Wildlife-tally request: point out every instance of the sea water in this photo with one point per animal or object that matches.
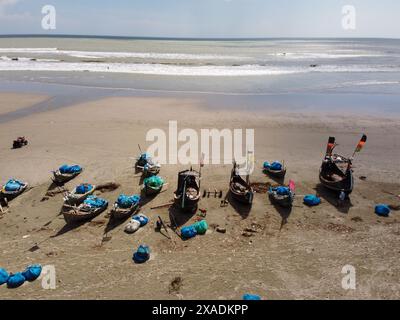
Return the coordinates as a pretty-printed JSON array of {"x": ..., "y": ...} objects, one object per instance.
[{"x": 292, "y": 74}]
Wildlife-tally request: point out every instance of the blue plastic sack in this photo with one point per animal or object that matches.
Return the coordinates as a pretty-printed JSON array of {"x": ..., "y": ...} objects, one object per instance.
[
  {"x": 282, "y": 191},
  {"x": 142, "y": 219},
  {"x": 13, "y": 185},
  {"x": 125, "y": 201},
  {"x": 142, "y": 254},
  {"x": 95, "y": 202},
  {"x": 266, "y": 165},
  {"x": 311, "y": 200},
  {"x": 276, "y": 166},
  {"x": 70, "y": 169},
  {"x": 248, "y": 296},
  {"x": 32, "y": 272},
  {"x": 3, "y": 276},
  {"x": 15, "y": 280},
  {"x": 382, "y": 210},
  {"x": 83, "y": 188},
  {"x": 188, "y": 232}
]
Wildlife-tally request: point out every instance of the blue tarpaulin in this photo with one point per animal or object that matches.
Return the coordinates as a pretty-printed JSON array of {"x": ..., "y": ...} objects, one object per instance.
[
  {"x": 15, "y": 280},
  {"x": 125, "y": 201},
  {"x": 382, "y": 210},
  {"x": 311, "y": 200},
  {"x": 95, "y": 202},
  {"x": 83, "y": 188},
  {"x": 142, "y": 254},
  {"x": 32, "y": 272},
  {"x": 3, "y": 276},
  {"x": 188, "y": 232},
  {"x": 70, "y": 169},
  {"x": 276, "y": 166},
  {"x": 13, "y": 185}
]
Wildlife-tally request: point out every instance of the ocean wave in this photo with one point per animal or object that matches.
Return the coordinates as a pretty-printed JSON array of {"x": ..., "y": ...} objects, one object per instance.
[
  {"x": 123, "y": 54},
  {"x": 186, "y": 70},
  {"x": 312, "y": 55},
  {"x": 150, "y": 69}
]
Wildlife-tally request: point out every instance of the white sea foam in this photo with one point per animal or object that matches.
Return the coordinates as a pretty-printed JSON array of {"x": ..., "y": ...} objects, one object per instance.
[
  {"x": 124, "y": 54},
  {"x": 185, "y": 70},
  {"x": 314, "y": 55},
  {"x": 151, "y": 69}
]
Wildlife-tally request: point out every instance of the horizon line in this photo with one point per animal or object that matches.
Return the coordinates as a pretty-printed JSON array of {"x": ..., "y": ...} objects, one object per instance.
[{"x": 61, "y": 35}]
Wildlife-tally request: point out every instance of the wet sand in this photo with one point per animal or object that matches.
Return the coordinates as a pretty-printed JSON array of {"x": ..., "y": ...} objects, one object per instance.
[{"x": 300, "y": 259}]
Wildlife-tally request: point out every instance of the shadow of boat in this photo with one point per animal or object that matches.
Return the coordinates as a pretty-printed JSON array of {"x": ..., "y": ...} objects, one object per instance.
[
  {"x": 332, "y": 197},
  {"x": 242, "y": 209},
  {"x": 178, "y": 217}
]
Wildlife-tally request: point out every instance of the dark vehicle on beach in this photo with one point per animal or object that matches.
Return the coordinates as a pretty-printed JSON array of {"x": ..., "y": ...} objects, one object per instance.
[
  {"x": 239, "y": 188},
  {"x": 187, "y": 194},
  {"x": 336, "y": 171}
]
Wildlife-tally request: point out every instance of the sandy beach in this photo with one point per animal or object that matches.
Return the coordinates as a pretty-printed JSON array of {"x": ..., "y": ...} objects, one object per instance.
[{"x": 300, "y": 259}]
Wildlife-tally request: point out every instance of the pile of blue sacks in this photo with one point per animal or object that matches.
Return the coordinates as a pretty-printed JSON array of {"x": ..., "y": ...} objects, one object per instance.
[
  {"x": 282, "y": 191},
  {"x": 13, "y": 185},
  {"x": 142, "y": 254},
  {"x": 125, "y": 201},
  {"x": 70, "y": 169},
  {"x": 141, "y": 218},
  {"x": 311, "y": 200},
  {"x": 188, "y": 232},
  {"x": 83, "y": 188},
  {"x": 382, "y": 210},
  {"x": 95, "y": 202},
  {"x": 16, "y": 280},
  {"x": 276, "y": 165}
]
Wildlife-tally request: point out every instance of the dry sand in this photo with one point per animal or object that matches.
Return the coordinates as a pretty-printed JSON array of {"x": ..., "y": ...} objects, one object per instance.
[{"x": 300, "y": 259}]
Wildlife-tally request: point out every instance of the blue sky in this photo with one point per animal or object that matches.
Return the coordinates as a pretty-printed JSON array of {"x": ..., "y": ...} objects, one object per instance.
[{"x": 204, "y": 18}]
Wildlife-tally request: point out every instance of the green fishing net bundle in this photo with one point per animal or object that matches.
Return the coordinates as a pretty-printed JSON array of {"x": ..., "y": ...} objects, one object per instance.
[{"x": 154, "y": 182}]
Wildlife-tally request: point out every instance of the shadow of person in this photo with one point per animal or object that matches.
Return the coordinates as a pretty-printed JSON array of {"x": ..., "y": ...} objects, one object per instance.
[
  {"x": 242, "y": 209},
  {"x": 332, "y": 197}
]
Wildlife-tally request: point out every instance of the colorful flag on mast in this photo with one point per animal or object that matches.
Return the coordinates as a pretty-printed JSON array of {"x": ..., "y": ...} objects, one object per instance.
[{"x": 361, "y": 144}]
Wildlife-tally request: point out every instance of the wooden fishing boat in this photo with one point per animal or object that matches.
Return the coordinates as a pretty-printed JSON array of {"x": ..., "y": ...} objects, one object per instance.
[
  {"x": 74, "y": 197},
  {"x": 283, "y": 199},
  {"x": 276, "y": 173},
  {"x": 119, "y": 213},
  {"x": 239, "y": 188},
  {"x": 147, "y": 165},
  {"x": 336, "y": 174},
  {"x": 187, "y": 194},
  {"x": 59, "y": 177},
  {"x": 9, "y": 195},
  {"x": 336, "y": 171},
  {"x": 83, "y": 212},
  {"x": 149, "y": 190}
]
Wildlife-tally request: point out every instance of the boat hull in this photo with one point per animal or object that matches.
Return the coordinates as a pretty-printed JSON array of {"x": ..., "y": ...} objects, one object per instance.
[
  {"x": 120, "y": 213},
  {"x": 59, "y": 177},
  {"x": 285, "y": 201},
  {"x": 345, "y": 185},
  {"x": 71, "y": 216}
]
